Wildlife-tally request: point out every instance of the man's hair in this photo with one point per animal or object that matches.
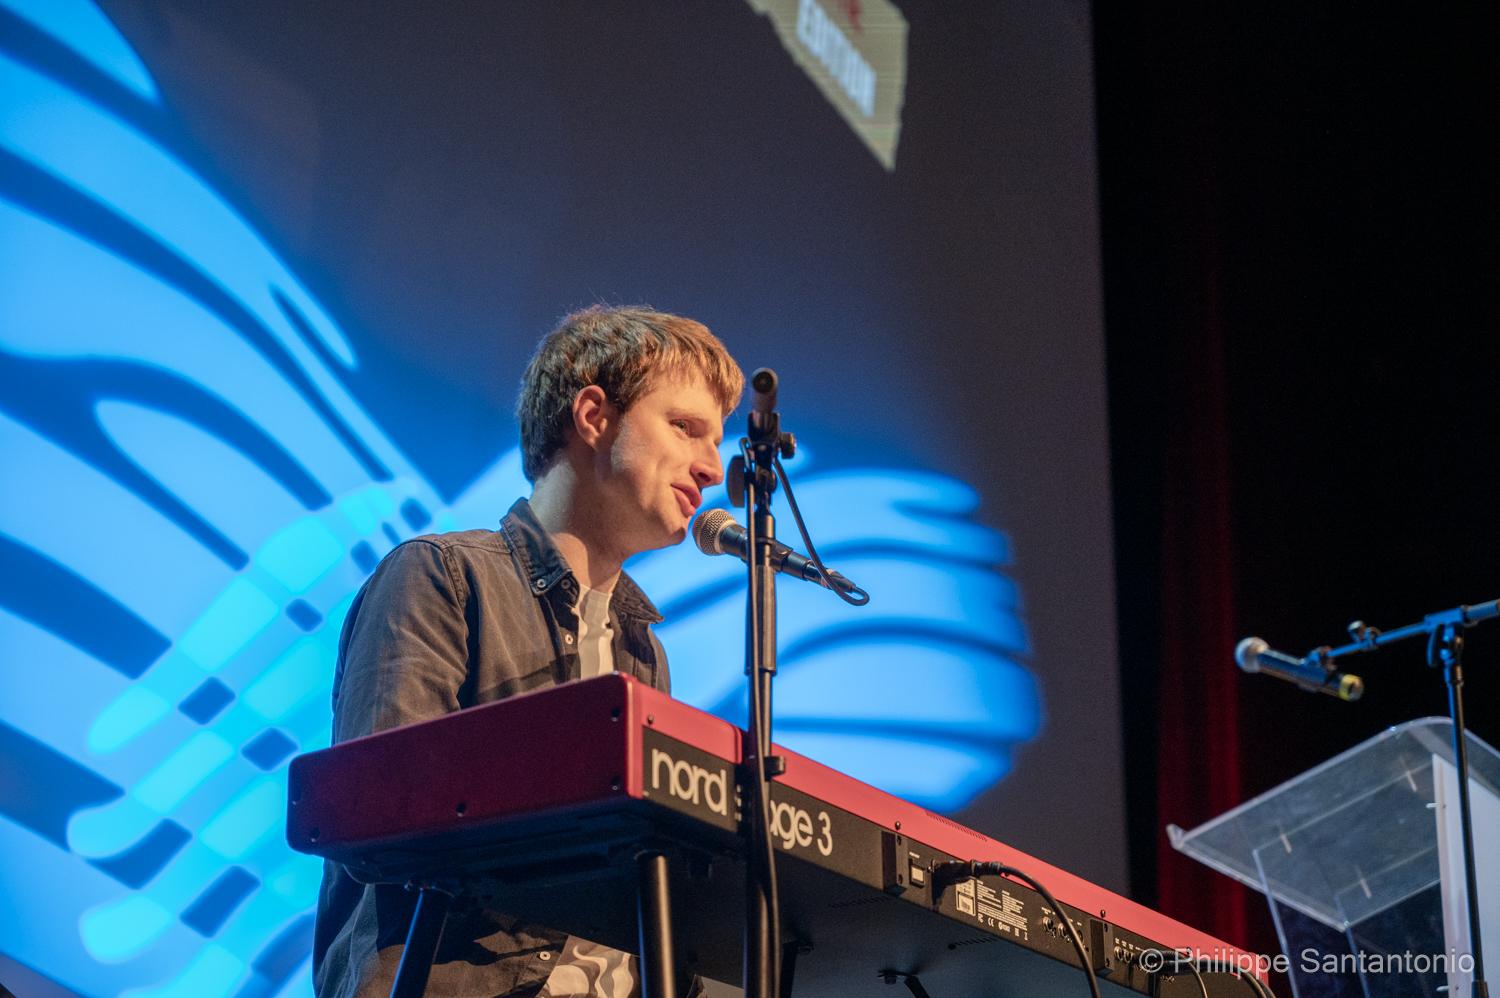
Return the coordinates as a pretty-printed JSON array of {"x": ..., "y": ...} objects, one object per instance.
[{"x": 625, "y": 351}]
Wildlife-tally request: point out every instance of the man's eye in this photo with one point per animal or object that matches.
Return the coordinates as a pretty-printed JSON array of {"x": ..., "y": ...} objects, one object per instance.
[{"x": 681, "y": 424}]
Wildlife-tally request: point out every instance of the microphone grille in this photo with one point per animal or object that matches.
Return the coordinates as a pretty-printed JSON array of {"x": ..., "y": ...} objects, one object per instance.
[{"x": 707, "y": 528}]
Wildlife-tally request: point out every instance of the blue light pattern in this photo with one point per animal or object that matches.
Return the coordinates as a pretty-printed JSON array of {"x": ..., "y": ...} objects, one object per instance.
[{"x": 192, "y": 500}]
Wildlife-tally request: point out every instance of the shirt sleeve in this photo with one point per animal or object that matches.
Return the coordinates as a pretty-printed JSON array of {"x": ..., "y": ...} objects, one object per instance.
[{"x": 403, "y": 652}]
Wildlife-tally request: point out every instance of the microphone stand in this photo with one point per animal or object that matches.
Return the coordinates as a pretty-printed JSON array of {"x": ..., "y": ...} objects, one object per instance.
[
  {"x": 1445, "y": 647},
  {"x": 751, "y": 481}
]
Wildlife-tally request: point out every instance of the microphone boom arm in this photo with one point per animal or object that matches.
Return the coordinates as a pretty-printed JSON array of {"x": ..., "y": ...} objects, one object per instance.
[{"x": 1445, "y": 645}]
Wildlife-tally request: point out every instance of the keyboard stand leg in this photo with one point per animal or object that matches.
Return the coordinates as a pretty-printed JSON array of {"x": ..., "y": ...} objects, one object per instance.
[
  {"x": 658, "y": 972},
  {"x": 421, "y": 943},
  {"x": 790, "y": 950},
  {"x": 915, "y": 987},
  {"x": 910, "y": 980}
]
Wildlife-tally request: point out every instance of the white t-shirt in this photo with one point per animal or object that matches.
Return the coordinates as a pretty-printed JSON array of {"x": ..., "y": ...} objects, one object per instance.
[
  {"x": 596, "y": 636},
  {"x": 587, "y": 969}
]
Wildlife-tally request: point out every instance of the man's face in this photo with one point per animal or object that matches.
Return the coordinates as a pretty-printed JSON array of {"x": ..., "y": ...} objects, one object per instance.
[{"x": 661, "y": 455}]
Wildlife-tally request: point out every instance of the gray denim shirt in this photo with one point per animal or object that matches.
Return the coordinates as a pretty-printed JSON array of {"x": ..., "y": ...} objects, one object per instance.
[{"x": 448, "y": 621}]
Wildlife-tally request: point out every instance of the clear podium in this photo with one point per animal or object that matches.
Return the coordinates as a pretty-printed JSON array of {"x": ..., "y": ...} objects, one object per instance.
[{"x": 1361, "y": 861}]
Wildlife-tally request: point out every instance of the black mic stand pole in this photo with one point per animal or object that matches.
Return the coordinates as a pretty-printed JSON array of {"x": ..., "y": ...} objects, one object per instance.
[
  {"x": 752, "y": 476},
  {"x": 1445, "y": 647}
]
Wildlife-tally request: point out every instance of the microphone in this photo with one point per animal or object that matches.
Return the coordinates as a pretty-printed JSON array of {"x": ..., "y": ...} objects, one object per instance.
[
  {"x": 1254, "y": 655},
  {"x": 716, "y": 532}
]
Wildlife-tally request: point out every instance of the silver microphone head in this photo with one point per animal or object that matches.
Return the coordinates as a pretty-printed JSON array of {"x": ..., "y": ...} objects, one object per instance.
[
  {"x": 1247, "y": 653},
  {"x": 708, "y": 528}
]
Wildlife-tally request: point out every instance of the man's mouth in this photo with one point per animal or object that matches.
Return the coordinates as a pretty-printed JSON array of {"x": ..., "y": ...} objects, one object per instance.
[{"x": 689, "y": 498}]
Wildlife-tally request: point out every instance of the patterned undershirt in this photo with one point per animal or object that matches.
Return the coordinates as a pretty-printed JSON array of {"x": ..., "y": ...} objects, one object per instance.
[{"x": 591, "y": 970}]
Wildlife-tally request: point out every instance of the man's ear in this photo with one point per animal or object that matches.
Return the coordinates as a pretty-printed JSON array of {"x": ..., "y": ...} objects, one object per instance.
[{"x": 593, "y": 415}]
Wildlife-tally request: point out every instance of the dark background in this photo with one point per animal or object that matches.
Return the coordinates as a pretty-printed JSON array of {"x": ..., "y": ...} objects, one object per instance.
[{"x": 1300, "y": 277}]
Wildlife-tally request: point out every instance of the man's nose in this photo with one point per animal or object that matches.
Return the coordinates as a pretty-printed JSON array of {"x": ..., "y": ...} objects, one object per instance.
[{"x": 708, "y": 470}]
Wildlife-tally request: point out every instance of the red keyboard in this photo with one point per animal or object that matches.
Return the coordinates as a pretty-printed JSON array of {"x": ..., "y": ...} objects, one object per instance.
[{"x": 537, "y": 805}]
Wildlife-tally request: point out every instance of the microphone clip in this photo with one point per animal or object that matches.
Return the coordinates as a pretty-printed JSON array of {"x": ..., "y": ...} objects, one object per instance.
[
  {"x": 735, "y": 475},
  {"x": 765, "y": 472}
]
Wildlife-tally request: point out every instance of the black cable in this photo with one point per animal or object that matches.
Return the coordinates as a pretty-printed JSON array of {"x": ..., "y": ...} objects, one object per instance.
[
  {"x": 942, "y": 872},
  {"x": 1178, "y": 961},
  {"x": 1261, "y": 988},
  {"x": 840, "y": 585},
  {"x": 1224, "y": 967},
  {"x": 1202, "y": 984},
  {"x": 976, "y": 868},
  {"x": 1196, "y": 965}
]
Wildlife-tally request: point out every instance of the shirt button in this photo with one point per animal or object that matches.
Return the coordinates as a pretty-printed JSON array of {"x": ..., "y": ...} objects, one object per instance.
[
  {"x": 546, "y": 955},
  {"x": 539, "y": 584},
  {"x": 568, "y": 638}
]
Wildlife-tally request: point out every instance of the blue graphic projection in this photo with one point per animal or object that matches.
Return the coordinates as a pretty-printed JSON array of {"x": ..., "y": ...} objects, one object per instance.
[{"x": 191, "y": 500}]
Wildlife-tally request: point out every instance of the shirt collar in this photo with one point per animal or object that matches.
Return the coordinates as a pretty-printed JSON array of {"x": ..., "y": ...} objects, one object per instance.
[{"x": 544, "y": 567}]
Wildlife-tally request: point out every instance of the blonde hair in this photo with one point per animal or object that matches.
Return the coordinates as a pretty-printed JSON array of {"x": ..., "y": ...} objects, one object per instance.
[{"x": 627, "y": 351}]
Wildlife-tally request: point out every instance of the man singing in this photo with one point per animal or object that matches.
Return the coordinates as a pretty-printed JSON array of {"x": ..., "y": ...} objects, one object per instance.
[{"x": 622, "y": 411}]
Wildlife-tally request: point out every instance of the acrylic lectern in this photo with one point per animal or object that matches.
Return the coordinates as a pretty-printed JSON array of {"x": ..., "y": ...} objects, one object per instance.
[{"x": 1361, "y": 861}]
